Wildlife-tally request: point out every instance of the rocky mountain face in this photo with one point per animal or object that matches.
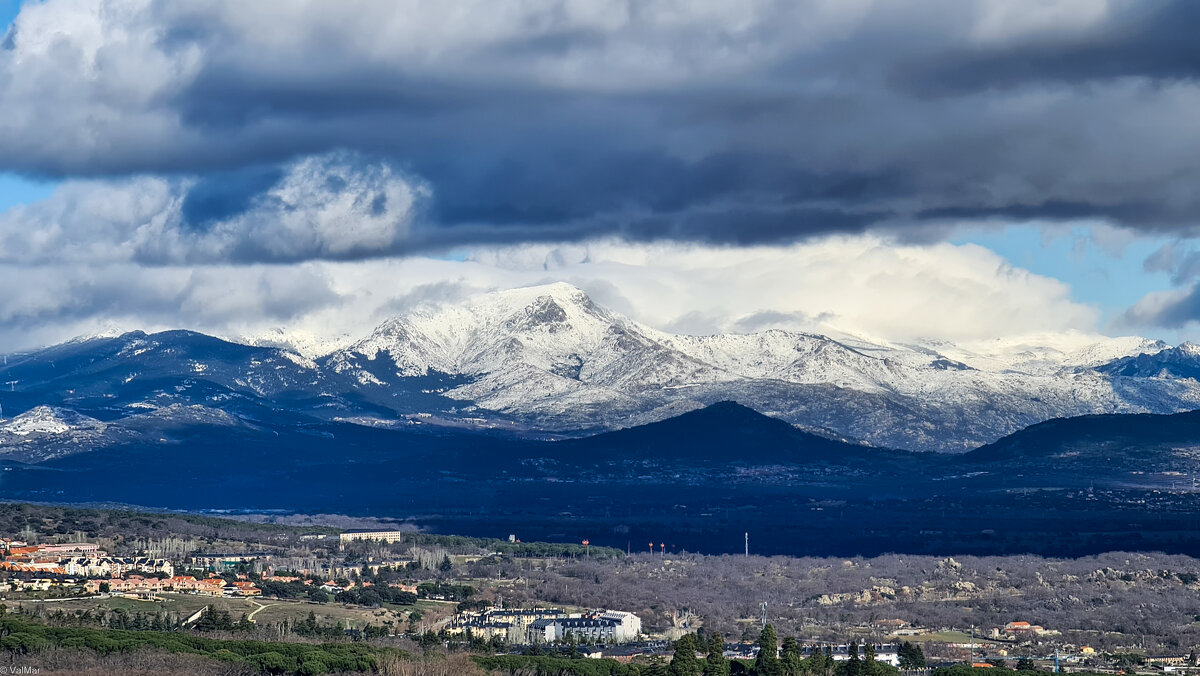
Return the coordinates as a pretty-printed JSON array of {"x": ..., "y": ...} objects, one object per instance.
[{"x": 547, "y": 361}]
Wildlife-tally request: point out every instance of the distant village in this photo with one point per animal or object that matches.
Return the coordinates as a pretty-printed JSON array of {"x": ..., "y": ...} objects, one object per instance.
[{"x": 81, "y": 569}]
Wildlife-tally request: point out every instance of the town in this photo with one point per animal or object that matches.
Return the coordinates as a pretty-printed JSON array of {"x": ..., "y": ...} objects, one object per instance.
[{"x": 501, "y": 600}]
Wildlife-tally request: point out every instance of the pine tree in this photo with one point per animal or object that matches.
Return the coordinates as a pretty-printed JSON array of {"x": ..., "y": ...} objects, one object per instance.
[
  {"x": 791, "y": 657},
  {"x": 657, "y": 667},
  {"x": 716, "y": 664},
  {"x": 869, "y": 666},
  {"x": 683, "y": 662},
  {"x": 913, "y": 657},
  {"x": 852, "y": 666},
  {"x": 817, "y": 663},
  {"x": 767, "y": 662}
]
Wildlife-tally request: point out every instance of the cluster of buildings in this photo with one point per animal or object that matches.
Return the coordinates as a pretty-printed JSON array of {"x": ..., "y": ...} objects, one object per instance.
[
  {"x": 1020, "y": 630},
  {"x": 42, "y": 567},
  {"x": 76, "y": 559},
  {"x": 147, "y": 586},
  {"x": 547, "y": 625}
]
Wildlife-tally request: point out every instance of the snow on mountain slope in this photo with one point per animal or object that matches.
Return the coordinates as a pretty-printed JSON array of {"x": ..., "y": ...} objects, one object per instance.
[
  {"x": 550, "y": 357},
  {"x": 46, "y": 420},
  {"x": 546, "y": 344},
  {"x": 547, "y": 359},
  {"x": 1048, "y": 354},
  {"x": 46, "y": 432}
]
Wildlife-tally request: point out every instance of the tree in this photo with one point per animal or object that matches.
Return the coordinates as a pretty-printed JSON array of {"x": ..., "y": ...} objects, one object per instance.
[
  {"x": 684, "y": 662},
  {"x": 852, "y": 666},
  {"x": 657, "y": 667},
  {"x": 1025, "y": 664},
  {"x": 446, "y": 566},
  {"x": 817, "y": 663},
  {"x": 716, "y": 664},
  {"x": 791, "y": 657},
  {"x": 913, "y": 657},
  {"x": 767, "y": 662},
  {"x": 869, "y": 666},
  {"x": 105, "y": 587}
]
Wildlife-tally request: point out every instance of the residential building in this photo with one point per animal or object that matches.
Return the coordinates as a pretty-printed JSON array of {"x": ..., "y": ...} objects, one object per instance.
[
  {"x": 372, "y": 535},
  {"x": 593, "y": 629},
  {"x": 629, "y": 626}
]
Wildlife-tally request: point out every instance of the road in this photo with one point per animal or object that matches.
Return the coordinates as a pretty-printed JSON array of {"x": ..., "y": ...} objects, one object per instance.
[{"x": 260, "y": 607}]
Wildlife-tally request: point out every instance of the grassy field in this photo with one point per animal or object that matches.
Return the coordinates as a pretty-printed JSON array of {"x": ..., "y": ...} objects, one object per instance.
[{"x": 943, "y": 637}]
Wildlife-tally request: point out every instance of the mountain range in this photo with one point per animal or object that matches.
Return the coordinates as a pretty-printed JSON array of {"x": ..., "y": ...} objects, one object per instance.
[
  {"x": 548, "y": 362},
  {"x": 698, "y": 481}
]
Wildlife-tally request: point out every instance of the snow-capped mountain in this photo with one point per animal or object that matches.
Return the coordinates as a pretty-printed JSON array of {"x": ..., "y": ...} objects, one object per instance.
[
  {"x": 552, "y": 358},
  {"x": 548, "y": 360}
]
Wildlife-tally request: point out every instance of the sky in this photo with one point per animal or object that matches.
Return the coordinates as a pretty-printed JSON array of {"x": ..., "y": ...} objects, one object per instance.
[{"x": 961, "y": 170}]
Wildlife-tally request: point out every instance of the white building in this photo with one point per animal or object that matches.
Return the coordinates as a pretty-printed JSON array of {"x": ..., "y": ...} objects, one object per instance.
[
  {"x": 604, "y": 627},
  {"x": 629, "y": 626},
  {"x": 371, "y": 535},
  {"x": 106, "y": 566},
  {"x": 886, "y": 652}
]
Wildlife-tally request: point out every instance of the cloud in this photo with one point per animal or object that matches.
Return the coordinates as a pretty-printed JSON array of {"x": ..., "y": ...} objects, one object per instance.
[
  {"x": 336, "y": 205},
  {"x": 555, "y": 120},
  {"x": 1172, "y": 309},
  {"x": 864, "y": 284},
  {"x": 858, "y": 284}
]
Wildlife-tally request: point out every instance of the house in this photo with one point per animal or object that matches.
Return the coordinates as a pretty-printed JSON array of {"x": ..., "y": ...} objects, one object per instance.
[
  {"x": 246, "y": 589},
  {"x": 623, "y": 654},
  {"x": 43, "y": 567}
]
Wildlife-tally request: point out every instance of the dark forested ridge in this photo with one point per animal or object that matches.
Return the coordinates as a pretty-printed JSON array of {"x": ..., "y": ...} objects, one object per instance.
[{"x": 697, "y": 482}]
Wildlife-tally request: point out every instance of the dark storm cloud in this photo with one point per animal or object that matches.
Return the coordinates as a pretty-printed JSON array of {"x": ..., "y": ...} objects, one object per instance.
[
  {"x": 734, "y": 123},
  {"x": 222, "y": 195},
  {"x": 1154, "y": 39},
  {"x": 1050, "y": 210}
]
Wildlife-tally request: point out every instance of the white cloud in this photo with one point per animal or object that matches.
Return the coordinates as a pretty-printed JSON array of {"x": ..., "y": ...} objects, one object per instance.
[
  {"x": 334, "y": 205},
  {"x": 865, "y": 285}
]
